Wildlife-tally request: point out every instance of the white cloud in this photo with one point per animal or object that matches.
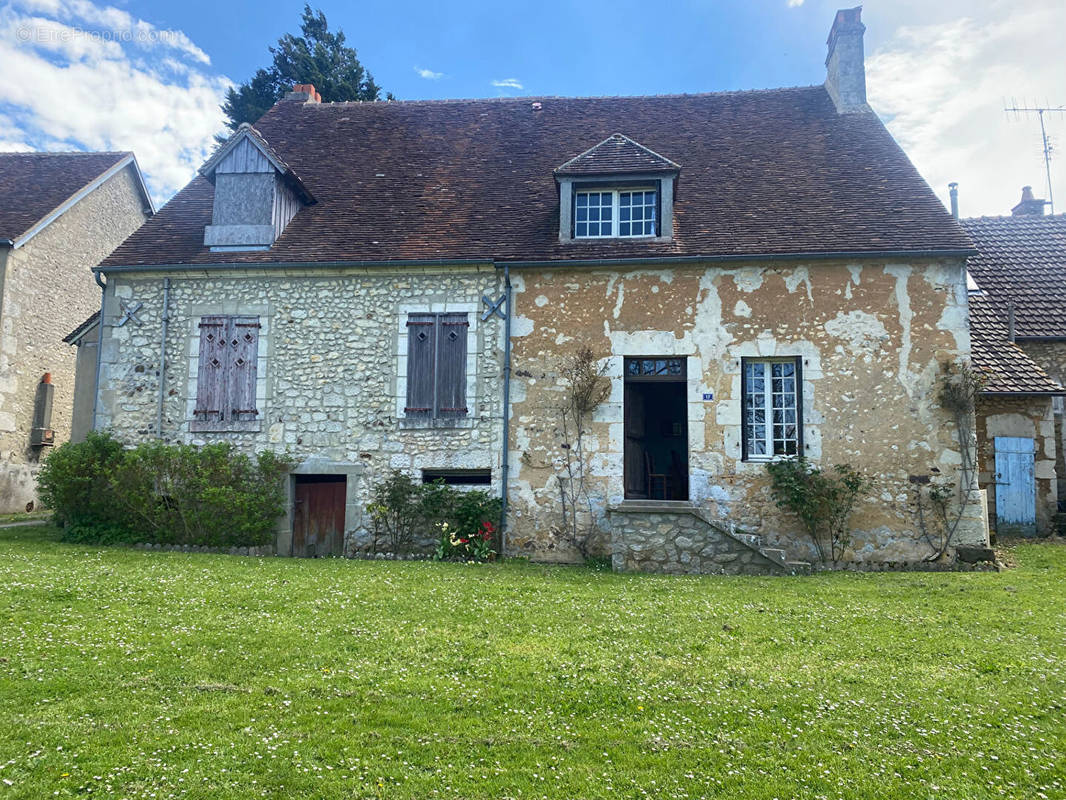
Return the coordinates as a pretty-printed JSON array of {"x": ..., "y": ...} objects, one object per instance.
[
  {"x": 121, "y": 85},
  {"x": 507, "y": 83},
  {"x": 941, "y": 89},
  {"x": 428, "y": 74},
  {"x": 795, "y": 3}
]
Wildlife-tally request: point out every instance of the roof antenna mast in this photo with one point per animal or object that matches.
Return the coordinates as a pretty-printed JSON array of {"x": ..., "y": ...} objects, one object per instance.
[{"x": 1040, "y": 111}]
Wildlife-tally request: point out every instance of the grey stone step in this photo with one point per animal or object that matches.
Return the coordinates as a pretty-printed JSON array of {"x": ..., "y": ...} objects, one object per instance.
[{"x": 774, "y": 554}]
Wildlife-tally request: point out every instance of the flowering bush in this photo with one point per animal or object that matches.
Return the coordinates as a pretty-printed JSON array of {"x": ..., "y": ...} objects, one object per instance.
[
  {"x": 464, "y": 545},
  {"x": 405, "y": 513}
]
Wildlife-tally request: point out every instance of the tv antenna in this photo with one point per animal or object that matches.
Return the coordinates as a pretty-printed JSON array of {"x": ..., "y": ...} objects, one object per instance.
[{"x": 1040, "y": 111}]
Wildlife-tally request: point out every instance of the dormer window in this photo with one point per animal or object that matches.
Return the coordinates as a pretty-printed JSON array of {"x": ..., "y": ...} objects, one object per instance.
[
  {"x": 256, "y": 194},
  {"x": 618, "y": 189},
  {"x": 615, "y": 213}
]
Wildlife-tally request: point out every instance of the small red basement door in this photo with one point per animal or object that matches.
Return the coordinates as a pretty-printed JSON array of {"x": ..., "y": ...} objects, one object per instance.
[{"x": 318, "y": 516}]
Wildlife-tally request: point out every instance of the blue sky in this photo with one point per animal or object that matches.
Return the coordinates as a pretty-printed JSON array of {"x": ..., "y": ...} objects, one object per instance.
[
  {"x": 83, "y": 74},
  {"x": 567, "y": 48}
]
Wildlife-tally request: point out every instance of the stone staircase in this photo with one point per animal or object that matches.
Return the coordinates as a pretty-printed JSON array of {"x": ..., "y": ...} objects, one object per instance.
[{"x": 678, "y": 537}]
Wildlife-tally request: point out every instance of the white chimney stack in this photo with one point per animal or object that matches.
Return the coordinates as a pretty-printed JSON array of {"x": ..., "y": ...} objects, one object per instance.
[{"x": 845, "y": 73}]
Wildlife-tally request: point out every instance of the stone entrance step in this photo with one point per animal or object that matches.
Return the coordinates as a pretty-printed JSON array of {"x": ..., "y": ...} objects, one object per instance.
[{"x": 678, "y": 537}]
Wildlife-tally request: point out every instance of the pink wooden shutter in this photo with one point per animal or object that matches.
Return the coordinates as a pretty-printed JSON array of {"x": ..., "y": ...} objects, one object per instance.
[
  {"x": 211, "y": 372},
  {"x": 244, "y": 354},
  {"x": 451, "y": 365},
  {"x": 421, "y": 362}
]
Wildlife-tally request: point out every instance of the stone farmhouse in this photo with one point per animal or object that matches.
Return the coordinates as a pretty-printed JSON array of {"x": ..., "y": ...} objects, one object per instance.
[
  {"x": 60, "y": 214},
  {"x": 377, "y": 286},
  {"x": 1018, "y": 322}
]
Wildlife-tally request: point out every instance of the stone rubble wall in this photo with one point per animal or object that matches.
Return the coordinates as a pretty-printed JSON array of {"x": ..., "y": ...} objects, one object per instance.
[
  {"x": 1028, "y": 418},
  {"x": 680, "y": 543},
  {"x": 331, "y": 365}
]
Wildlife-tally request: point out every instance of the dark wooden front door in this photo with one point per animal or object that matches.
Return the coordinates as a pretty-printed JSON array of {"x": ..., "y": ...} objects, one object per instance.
[
  {"x": 656, "y": 428},
  {"x": 318, "y": 516}
]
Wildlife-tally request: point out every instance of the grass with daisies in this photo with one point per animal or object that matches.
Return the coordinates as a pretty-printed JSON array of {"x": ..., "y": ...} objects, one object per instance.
[{"x": 136, "y": 674}]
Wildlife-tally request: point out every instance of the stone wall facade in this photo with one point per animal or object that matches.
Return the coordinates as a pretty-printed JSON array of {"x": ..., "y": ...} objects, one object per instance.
[
  {"x": 331, "y": 383},
  {"x": 872, "y": 336},
  {"x": 1028, "y": 418},
  {"x": 1051, "y": 357},
  {"x": 331, "y": 371},
  {"x": 47, "y": 291}
]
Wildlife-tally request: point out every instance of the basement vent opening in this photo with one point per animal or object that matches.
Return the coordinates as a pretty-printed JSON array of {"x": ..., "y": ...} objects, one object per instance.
[{"x": 458, "y": 477}]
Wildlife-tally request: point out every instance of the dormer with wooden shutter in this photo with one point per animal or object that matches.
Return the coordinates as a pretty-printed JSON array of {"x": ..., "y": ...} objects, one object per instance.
[{"x": 256, "y": 193}]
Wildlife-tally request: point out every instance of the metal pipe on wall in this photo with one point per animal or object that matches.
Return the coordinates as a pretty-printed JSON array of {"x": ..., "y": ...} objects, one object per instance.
[
  {"x": 505, "y": 461},
  {"x": 99, "y": 344},
  {"x": 163, "y": 358}
]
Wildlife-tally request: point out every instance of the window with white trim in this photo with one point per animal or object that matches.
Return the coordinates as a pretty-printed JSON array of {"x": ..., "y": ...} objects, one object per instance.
[
  {"x": 620, "y": 213},
  {"x": 772, "y": 405}
]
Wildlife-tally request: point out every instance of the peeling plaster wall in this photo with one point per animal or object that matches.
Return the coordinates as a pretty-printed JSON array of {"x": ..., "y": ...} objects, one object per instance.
[
  {"x": 871, "y": 336},
  {"x": 331, "y": 371},
  {"x": 1029, "y": 418},
  {"x": 48, "y": 291}
]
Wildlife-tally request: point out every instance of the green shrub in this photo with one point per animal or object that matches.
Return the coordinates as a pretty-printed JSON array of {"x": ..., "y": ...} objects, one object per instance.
[
  {"x": 75, "y": 482},
  {"x": 402, "y": 509},
  {"x": 211, "y": 495},
  {"x": 822, "y": 500},
  {"x": 164, "y": 494}
]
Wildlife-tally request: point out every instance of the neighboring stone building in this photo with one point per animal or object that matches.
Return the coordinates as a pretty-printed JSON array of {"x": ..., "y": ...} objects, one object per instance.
[
  {"x": 1016, "y": 428},
  {"x": 1020, "y": 269},
  {"x": 60, "y": 214},
  {"x": 377, "y": 286}
]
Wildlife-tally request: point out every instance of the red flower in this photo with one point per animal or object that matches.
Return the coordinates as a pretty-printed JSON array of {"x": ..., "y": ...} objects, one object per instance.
[{"x": 464, "y": 541}]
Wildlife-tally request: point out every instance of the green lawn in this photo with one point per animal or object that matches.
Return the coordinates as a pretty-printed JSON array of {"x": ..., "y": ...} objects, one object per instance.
[{"x": 137, "y": 674}]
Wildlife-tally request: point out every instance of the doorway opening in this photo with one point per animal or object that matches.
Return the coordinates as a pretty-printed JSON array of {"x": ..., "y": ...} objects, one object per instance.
[
  {"x": 656, "y": 428},
  {"x": 318, "y": 515}
]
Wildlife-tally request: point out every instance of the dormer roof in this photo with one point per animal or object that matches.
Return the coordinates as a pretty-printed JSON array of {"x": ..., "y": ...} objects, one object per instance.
[
  {"x": 246, "y": 136},
  {"x": 617, "y": 154}
]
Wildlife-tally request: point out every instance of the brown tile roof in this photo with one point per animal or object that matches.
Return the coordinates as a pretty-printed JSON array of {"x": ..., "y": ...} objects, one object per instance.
[
  {"x": 1007, "y": 366},
  {"x": 775, "y": 171},
  {"x": 616, "y": 154},
  {"x": 32, "y": 185},
  {"x": 1022, "y": 259}
]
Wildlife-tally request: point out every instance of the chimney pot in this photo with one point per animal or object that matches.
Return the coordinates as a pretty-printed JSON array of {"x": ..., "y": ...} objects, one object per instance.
[
  {"x": 1029, "y": 205},
  {"x": 304, "y": 91},
  {"x": 953, "y": 190},
  {"x": 845, "y": 77}
]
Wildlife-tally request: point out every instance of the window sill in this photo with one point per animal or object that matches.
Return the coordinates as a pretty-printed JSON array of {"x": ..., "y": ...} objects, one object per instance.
[
  {"x": 213, "y": 426},
  {"x": 767, "y": 459},
  {"x": 423, "y": 423},
  {"x": 612, "y": 239}
]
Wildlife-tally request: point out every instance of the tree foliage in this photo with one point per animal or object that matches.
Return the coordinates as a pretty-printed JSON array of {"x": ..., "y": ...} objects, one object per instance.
[{"x": 317, "y": 56}]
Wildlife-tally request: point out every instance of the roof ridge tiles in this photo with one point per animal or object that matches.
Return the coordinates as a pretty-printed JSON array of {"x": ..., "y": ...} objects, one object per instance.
[{"x": 541, "y": 98}]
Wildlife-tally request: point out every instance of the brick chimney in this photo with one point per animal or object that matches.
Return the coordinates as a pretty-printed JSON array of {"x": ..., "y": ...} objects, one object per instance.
[
  {"x": 1028, "y": 206},
  {"x": 845, "y": 72},
  {"x": 305, "y": 92}
]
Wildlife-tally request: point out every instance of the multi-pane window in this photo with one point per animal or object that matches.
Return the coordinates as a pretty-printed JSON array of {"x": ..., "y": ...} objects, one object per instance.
[
  {"x": 595, "y": 215},
  {"x": 226, "y": 369},
  {"x": 615, "y": 213},
  {"x": 436, "y": 365},
  {"x": 772, "y": 405},
  {"x": 636, "y": 213}
]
